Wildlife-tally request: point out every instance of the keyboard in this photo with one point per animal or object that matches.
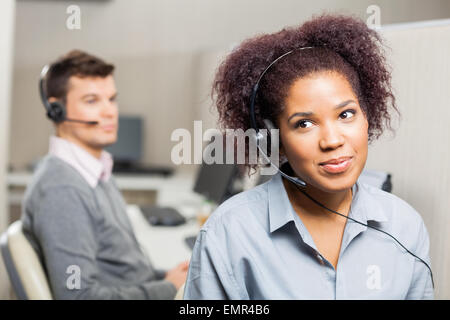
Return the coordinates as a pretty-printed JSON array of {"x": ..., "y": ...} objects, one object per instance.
[{"x": 162, "y": 216}]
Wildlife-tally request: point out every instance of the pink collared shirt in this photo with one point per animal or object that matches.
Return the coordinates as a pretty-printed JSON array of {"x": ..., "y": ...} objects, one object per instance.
[{"x": 90, "y": 168}]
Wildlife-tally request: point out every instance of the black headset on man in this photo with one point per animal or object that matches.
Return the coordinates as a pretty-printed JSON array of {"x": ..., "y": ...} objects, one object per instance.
[
  {"x": 298, "y": 182},
  {"x": 56, "y": 111}
]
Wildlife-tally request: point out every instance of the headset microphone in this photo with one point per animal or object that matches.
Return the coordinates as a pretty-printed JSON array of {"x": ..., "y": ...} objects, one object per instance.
[
  {"x": 56, "y": 111},
  {"x": 81, "y": 121},
  {"x": 298, "y": 183}
]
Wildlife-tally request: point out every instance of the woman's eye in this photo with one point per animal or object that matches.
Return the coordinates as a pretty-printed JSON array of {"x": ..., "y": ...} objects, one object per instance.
[
  {"x": 302, "y": 124},
  {"x": 348, "y": 113}
]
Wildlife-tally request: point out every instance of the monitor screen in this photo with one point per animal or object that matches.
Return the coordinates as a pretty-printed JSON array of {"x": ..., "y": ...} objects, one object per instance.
[
  {"x": 128, "y": 148},
  {"x": 214, "y": 181}
]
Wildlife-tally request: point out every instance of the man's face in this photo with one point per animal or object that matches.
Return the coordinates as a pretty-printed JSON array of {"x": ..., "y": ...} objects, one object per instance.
[
  {"x": 91, "y": 99},
  {"x": 334, "y": 126}
]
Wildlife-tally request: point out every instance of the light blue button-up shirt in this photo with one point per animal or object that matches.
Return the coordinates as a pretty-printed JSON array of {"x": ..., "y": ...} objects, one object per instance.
[{"x": 255, "y": 246}]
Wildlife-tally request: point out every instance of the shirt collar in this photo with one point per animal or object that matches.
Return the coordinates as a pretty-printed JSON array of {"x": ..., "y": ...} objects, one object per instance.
[
  {"x": 363, "y": 208},
  {"x": 91, "y": 169}
]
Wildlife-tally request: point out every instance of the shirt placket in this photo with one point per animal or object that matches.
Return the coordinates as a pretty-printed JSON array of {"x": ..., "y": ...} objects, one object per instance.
[
  {"x": 352, "y": 229},
  {"x": 334, "y": 277},
  {"x": 326, "y": 266}
]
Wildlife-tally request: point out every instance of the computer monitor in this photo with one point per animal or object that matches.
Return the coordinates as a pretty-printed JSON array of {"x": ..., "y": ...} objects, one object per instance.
[
  {"x": 128, "y": 148},
  {"x": 215, "y": 181}
]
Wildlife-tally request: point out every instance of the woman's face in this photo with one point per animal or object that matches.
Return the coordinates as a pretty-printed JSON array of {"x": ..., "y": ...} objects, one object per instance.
[{"x": 322, "y": 120}]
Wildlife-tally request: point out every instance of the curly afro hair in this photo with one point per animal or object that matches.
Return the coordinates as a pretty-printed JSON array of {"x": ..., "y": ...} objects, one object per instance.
[{"x": 343, "y": 44}]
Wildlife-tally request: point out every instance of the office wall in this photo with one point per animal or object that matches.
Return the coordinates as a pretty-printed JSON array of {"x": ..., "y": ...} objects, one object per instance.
[
  {"x": 166, "y": 52},
  {"x": 419, "y": 154},
  {"x": 158, "y": 47},
  {"x": 6, "y": 48}
]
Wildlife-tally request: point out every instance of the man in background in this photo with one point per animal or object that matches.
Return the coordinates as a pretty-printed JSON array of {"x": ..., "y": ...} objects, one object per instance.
[{"x": 74, "y": 215}]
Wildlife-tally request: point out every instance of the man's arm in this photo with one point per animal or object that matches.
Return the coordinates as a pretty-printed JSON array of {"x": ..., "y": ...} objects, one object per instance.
[{"x": 65, "y": 228}]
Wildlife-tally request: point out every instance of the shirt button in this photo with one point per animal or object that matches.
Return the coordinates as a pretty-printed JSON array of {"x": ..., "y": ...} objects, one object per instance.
[{"x": 319, "y": 257}]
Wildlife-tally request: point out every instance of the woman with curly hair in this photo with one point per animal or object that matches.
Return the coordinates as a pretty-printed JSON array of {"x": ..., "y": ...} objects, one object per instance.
[{"x": 328, "y": 91}]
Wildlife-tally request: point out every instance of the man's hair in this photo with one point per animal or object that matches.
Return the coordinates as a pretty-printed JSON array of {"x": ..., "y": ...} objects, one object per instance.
[{"x": 75, "y": 63}]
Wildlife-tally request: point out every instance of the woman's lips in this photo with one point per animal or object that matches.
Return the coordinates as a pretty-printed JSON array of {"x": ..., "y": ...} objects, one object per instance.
[{"x": 337, "y": 168}]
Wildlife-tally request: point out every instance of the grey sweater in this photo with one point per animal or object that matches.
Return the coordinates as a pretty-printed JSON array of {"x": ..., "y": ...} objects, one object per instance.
[{"x": 85, "y": 239}]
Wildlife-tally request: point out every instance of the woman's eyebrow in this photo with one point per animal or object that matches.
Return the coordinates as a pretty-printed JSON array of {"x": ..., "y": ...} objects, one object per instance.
[{"x": 309, "y": 113}]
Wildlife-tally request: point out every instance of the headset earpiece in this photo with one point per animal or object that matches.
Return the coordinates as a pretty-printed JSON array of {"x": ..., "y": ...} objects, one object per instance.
[
  {"x": 56, "y": 112},
  {"x": 269, "y": 124},
  {"x": 259, "y": 136}
]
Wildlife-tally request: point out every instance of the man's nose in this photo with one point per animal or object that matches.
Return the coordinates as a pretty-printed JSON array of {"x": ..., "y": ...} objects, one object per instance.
[{"x": 109, "y": 109}]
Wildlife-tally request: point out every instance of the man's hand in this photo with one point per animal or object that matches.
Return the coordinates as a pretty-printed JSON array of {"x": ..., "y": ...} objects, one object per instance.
[{"x": 178, "y": 274}]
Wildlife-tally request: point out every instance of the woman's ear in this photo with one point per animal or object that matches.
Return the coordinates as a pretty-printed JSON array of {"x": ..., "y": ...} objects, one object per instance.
[
  {"x": 283, "y": 157},
  {"x": 281, "y": 149},
  {"x": 282, "y": 153}
]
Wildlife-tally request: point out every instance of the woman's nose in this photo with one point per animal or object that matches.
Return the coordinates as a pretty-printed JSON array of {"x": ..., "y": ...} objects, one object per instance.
[{"x": 331, "y": 138}]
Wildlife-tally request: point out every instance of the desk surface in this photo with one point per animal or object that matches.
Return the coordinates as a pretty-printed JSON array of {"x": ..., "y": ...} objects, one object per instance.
[
  {"x": 124, "y": 181},
  {"x": 165, "y": 246},
  {"x": 175, "y": 190}
]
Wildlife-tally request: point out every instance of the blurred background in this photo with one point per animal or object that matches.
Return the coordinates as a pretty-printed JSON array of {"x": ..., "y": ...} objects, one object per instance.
[{"x": 166, "y": 53}]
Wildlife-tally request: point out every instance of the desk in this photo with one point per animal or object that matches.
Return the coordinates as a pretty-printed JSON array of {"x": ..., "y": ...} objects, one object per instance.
[
  {"x": 165, "y": 246},
  {"x": 137, "y": 189},
  {"x": 182, "y": 180}
]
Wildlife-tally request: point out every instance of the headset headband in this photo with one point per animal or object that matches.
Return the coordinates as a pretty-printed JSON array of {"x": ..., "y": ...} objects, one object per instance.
[
  {"x": 256, "y": 86},
  {"x": 42, "y": 92}
]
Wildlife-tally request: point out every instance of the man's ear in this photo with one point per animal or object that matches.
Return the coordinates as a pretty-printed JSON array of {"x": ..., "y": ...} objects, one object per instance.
[{"x": 52, "y": 99}]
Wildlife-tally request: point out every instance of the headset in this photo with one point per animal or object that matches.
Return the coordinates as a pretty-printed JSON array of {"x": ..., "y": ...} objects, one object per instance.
[
  {"x": 299, "y": 183},
  {"x": 56, "y": 111}
]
